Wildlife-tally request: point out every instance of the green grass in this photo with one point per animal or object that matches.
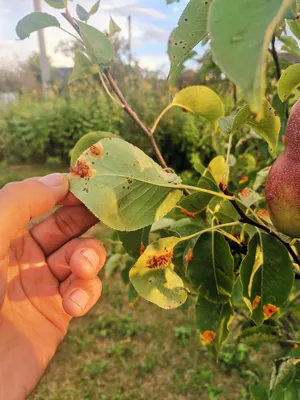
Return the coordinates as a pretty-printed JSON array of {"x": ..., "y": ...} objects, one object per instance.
[{"x": 117, "y": 352}]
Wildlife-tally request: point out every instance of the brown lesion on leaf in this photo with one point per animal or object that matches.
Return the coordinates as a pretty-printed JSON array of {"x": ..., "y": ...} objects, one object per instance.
[
  {"x": 160, "y": 261},
  {"x": 96, "y": 150},
  {"x": 82, "y": 169},
  {"x": 255, "y": 302},
  {"x": 189, "y": 256},
  {"x": 188, "y": 213},
  {"x": 207, "y": 337},
  {"x": 269, "y": 310}
]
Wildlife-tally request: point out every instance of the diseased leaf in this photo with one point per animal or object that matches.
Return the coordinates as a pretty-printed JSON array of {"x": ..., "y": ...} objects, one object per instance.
[
  {"x": 213, "y": 322},
  {"x": 267, "y": 277},
  {"x": 289, "y": 81},
  {"x": 202, "y": 101},
  {"x": 86, "y": 142},
  {"x": 211, "y": 270},
  {"x": 240, "y": 40},
  {"x": 82, "y": 68},
  {"x": 34, "y": 22},
  {"x": 154, "y": 278},
  {"x": 122, "y": 186},
  {"x": 135, "y": 242},
  {"x": 190, "y": 31},
  {"x": 99, "y": 48}
]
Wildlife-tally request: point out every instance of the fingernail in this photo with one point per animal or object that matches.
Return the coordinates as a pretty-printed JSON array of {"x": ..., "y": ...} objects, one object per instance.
[
  {"x": 80, "y": 298},
  {"x": 52, "y": 180},
  {"x": 91, "y": 256}
]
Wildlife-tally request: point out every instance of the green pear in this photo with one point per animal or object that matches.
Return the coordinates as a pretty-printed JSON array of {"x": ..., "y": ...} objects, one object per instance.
[{"x": 283, "y": 183}]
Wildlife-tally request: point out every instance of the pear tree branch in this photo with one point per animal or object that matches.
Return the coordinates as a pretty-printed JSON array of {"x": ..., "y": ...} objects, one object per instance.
[{"x": 246, "y": 220}]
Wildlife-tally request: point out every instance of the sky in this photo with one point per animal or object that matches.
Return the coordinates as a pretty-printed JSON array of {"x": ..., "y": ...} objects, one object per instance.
[{"x": 152, "y": 22}]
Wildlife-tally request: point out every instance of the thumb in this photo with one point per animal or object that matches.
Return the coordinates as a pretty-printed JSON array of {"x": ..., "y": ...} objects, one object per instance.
[{"x": 21, "y": 201}]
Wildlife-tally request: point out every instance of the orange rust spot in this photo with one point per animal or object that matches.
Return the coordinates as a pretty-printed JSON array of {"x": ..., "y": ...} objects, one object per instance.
[
  {"x": 283, "y": 139},
  {"x": 185, "y": 110},
  {"x": 263, "y": 213},
  {"x": 82, "y": 169},
  {"x": 96, "y": 150},
  {"x": 255, "y": 302},
  {"x": 207, "y": 337},
  {"x": 270, "y": 310},
  {"x": 244, "y": 179},
  {"x": 160, "y": 261},
  {"x": 134, "y": 303},
  {"x": 189, "y": 257},
  {"x": 142, "y": 248},
  {"x": 188, "y": 213},
  {"x": 245, "y": 193},
  {"x": 295, "y": 346}
]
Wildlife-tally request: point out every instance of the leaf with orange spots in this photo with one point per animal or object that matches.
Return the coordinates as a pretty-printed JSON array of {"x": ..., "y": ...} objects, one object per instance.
[
  {"x": 126, "y": 189},
  {"x": 213, "y": 322},
  {"x": 154, "y": 278},
  {"x": 249, "y": 197},
  {"x": 267, "y": 277},
  {"x": 244, "y": 179}
]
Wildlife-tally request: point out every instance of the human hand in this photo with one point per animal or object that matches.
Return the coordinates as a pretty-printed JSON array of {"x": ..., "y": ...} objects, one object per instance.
[{"x": 47, "y": 276}]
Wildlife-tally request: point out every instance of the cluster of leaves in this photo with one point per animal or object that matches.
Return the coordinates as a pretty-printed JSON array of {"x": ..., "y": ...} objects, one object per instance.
[{"x": 200, "y": 244}]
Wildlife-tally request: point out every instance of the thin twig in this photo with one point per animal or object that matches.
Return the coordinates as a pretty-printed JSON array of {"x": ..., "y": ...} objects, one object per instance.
[
  {"x": 246, "y": 220},
  {"x": 274, "y": 53}
]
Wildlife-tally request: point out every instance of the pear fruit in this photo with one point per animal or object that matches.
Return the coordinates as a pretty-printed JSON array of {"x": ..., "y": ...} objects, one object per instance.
[{"x": 283, "y": 183}]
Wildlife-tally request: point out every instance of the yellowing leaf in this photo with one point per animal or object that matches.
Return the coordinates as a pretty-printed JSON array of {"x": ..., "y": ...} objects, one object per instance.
[
  {"x": 217, "y": 167},
  {"x": 289, "y": 81},
  {"x": 202, "y": 101},
  {"x": 154, "y": 278}
]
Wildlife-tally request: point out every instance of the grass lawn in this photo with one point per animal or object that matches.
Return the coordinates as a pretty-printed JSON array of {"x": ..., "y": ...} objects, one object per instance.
[{"x": 117, "y": 352}]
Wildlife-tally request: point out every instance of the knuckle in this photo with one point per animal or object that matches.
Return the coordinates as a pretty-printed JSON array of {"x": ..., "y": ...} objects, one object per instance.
[{"x": 66, "y": 224}]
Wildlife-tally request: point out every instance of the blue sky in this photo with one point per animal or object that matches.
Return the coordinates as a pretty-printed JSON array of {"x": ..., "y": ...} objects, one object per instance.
[{"x": 153, "y": 21}]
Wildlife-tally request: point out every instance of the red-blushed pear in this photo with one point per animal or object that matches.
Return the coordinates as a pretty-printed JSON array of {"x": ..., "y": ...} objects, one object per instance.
[{"x": 283, "y": 183}]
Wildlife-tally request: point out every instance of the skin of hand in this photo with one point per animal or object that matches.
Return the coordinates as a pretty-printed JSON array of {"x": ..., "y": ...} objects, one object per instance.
[{"x": 47, "y": 276}]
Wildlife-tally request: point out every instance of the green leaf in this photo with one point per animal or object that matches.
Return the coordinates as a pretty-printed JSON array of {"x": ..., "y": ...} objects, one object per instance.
[
  {"x": 258, "y": 392},
  {"x": 267, "y": 276},
  {"x": 99, "y": 48},
  {"x": 154, "y": 278},
  {"x": 295, "y": 28},
  {"x": 122, "y": 186},
  {"x": 113, "y": 28},
  {"x": 135, "y": 242},
  {"x": 86, "y": 142},
  {"x": 190, "y": 31},
  {"x": 211, "y": 270},
  {"x": 213, "y": 322},
  {"x": 289, "y": 81},
  {"x": 225, "y": 124},
  {"x": 82, "y": 68},
  {"x": 268, "y": 127},
  {"x": 56, "y": 3},
  {"x": 83, "y": 15},
  {"x": 197, "y": 201},
  {"x": 200, "y": 100},
  {"x": 95, "y": 8},
  {"x": 240, "y": 34},
  {"x": 35, "y": 22},
  {"x": 223, "y": 210}
]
